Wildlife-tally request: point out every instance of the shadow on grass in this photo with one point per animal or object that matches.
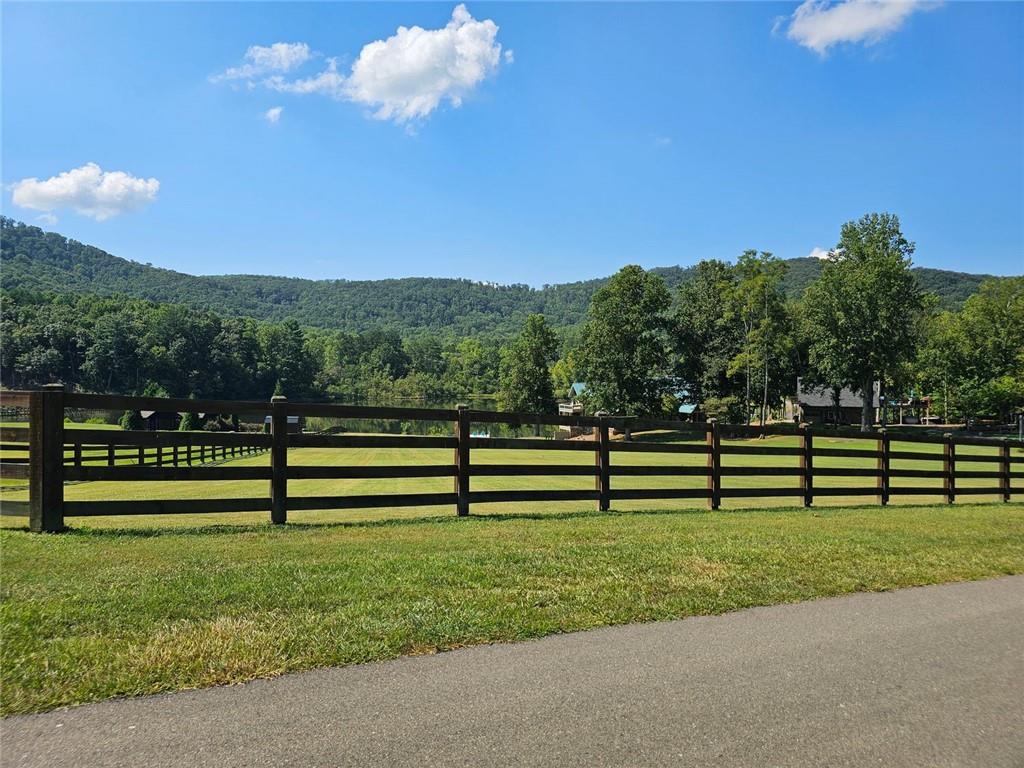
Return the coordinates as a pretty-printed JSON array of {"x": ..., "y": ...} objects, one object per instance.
[{"x": 232, "y": 529}]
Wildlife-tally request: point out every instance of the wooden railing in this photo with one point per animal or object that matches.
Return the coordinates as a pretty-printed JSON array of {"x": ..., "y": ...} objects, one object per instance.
[{"x": 56, "y": 455}]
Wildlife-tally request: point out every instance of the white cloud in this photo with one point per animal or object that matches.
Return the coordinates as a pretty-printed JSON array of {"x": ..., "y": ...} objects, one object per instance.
[
  {"x": 819, "y": 24},
  {"x": 403, "y": 78},
  {"x": 328, "y": 83},
  {"x": 47, "y": 218},
  {"x": 266, "y": 59},
  {"x": 408, "y": 75},
  {"x": 87, "y": 190},
  {"x": 273, "y": 114},
  {"x": 818, "y": 253}
]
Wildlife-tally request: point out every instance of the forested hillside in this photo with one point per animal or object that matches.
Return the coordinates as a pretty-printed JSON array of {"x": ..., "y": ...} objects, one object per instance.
[{"x": 35, "y": 260}]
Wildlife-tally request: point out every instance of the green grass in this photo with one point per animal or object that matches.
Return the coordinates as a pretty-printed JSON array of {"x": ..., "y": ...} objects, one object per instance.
[
  {"x": 112, "y": 610},
  {"x": 361, "y": 456},
  {"x": 132, "y": 605}
]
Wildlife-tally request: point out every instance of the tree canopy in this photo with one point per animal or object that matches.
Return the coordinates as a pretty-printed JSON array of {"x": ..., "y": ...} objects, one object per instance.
[
  {"x": 624, "y": 353},
  {"x": 862, "y": 312}
]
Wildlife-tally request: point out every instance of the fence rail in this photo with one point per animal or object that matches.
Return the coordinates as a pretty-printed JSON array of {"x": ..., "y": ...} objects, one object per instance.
[{"x": 49, "y": 455}]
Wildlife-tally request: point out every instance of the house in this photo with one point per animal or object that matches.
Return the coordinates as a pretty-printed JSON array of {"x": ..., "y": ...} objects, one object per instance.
[
  {"x": 816, "y": 405},
  {"x": 688, "y": 411},
  {"x": 154, "y": 420},
  {"x": 294, "y": 424},
  {"x": 574, "y": 406}
]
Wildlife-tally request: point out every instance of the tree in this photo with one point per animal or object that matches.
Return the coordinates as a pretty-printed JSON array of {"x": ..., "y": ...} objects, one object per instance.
[
  {"x": 524, "y": 376},
  {"x": 760, "y": 306},
  {"x": 704, "y": 337},
  {"x": 974, "y": 359},
  {"x": 190, "y": 422},
  {"x": 624, "y": 354},
  {"x": 130, "y": 420},
  {"x": 286, "y": 363},
  {"x": 862, "y": 312}
]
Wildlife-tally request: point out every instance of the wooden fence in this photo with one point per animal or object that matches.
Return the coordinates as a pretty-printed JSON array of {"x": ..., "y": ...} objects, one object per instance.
[{"x": 56, "y": 455}]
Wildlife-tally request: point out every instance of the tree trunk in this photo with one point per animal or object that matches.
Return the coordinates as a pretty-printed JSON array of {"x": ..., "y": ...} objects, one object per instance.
[
  {"x": 867, "y": 415},
  {"x": 746, "y": 402},
  {"x": 764, "y": 400}
]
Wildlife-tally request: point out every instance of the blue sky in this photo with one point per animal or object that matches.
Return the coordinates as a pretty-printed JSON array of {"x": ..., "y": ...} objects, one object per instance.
[{"x": 655, "y": 134}]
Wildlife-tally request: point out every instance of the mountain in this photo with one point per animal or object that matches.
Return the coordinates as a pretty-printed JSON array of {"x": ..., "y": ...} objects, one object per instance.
[{"x": 34, "y": 260}]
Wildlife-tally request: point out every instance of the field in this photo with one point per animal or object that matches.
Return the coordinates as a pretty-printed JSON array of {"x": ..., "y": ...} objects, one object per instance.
[
  {"x": 133, "y": 605},
  {"x": 404, "y": 456}
]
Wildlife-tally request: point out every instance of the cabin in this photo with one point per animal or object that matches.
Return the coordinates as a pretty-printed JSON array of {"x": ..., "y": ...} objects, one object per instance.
[
  {"x": 154, "y": 420},
  {"x": 687, "y": 411},
  {"x": 294, "y": 424},
  {"x": 573, "y": 405},
  {"x": 816, "y": 405}
]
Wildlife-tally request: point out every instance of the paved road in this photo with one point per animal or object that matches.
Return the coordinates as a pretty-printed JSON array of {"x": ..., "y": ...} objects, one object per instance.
[{"x": 932, "y": 676}]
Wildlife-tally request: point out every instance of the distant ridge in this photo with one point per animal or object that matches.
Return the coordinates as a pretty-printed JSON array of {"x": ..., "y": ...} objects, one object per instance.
[{"x": 38, "y": 261}]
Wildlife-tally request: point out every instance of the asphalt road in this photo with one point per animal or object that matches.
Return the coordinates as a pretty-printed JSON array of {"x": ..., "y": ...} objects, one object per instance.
[{"x": 932, "y": 676}]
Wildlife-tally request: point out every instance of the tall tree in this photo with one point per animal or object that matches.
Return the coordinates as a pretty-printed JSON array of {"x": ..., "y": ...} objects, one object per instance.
[
  {"x": 862, "y": 312},
  {"x": 704, "y": 337},
  {"x": 525, "y": 378},
  {"x": 758, "y": 303},
  {"x": 624, "y": 354}
]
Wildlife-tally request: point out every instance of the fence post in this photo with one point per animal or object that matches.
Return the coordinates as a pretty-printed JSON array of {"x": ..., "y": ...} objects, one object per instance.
[
  {"x": 714, "y": 465},
  {"x": 807, "y": 463},
  {"x": 278, "y": 459},
  {"x": 462, "y": 461},
  {"x": 602, "y": 458},
  {"x": 882, "y": 465},
  {"x": 142, "y": 455},
  {"x": 949, "y": 468},
  {"x": 46, "y": 459},
  {"x": 1004, "y": 468}
]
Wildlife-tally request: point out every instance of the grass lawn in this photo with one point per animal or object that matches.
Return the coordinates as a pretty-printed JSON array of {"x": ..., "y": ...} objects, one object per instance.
[
  {"x": 135, "y": 606},
  {"x": 131, "y": 605},
  {"x": 396, "y": 456}
]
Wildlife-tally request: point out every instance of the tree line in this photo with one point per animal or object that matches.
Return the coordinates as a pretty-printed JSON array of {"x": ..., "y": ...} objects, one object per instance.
[
  {"x": 731, "y": 339},
  {"x": 40, "y": 261},
  {"x": 731, "y": 342}
]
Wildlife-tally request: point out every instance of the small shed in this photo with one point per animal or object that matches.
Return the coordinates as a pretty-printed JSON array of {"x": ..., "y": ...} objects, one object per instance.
[
  {"x": 294, "y": 424},
  {"x": 154, "y": 420}
]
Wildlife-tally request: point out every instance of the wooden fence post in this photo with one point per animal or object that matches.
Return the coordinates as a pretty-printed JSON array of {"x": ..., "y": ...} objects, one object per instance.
[
  {"x": 807, "y": 463},
  {"x": 46, "y": 459},
  {"x": 142, "y": 456},
  {"x": 602, "y": 457},
  {"x": 949, "y": 468},
  {"x": 882, "y": 465},
  {"x": 462, "y": 461},
  {"x": 714, "y": 440},
  {"x": 278, "y": 459},
  {"x": 1004, "y": 468}
]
